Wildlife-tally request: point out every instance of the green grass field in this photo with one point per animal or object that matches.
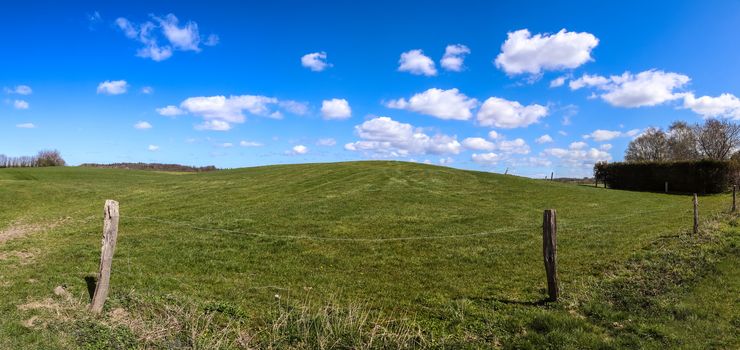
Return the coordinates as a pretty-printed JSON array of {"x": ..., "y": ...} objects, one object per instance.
[{"x": 360, "y": 255}]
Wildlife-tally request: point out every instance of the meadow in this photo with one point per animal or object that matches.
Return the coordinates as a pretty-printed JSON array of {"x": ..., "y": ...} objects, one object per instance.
[{"x": 360, "y": 255}]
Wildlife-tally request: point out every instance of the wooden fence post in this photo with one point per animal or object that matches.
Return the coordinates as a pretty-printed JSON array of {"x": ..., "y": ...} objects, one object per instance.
[
  {"x": 734, "y": 197},
  {"x": 696, "y": 214},
  {"x": 110, "y": 235},
  {"x": 666, "y": 187},
  {"x": 551, "y": 175},
  {"x": 549, "y": 252}
]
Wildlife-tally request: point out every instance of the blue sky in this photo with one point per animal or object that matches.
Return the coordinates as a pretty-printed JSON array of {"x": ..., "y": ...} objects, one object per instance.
[{"x": 238, "y": 84}]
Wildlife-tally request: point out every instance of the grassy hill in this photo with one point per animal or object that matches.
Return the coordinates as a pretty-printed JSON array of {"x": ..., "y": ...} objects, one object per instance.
[{"x": 361, "y": 254}]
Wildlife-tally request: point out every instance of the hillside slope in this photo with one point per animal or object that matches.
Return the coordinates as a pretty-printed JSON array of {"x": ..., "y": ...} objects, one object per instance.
[{"x": 455, "y": 253}]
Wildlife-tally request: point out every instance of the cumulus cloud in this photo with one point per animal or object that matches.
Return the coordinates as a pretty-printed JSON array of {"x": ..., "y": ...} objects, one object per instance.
[
  {"x": 486, "y": 158},
  {"x": 415, "y": 62},
  {"x": 226, "y": 145},
  {"x": 336, "y": 108},
  {"x": 501, "y": 113},
  {"x": 113, "y": 87},
  {"x": 443, "y": 104},
  {"x": 648, "y": 88},
  {"x": 153, "y": 148},
  {"x": 725, "y": 105},
  {"x": 294, "y": 107},
  {"x": 315, "y": 61},
  {"x": 559, "y": 81},
  {"x": 493, "y": 135},
  {"x": 601, "y": 135},
  {"x": 20, "y": 104},
  {"x": 478, "y": 144},
  {"x": 544, "y": 139},
  {"x": 245, "y": 143},
  {"x": 578, "y": 145},
  {"x": 221, "y": 112},
  {"x": 19, "y": 89},
  {"x": 327, "y": 142},
  {"x": 605, "y": 147},
  {"x": 384, "y": 137},
  {"x": 524, "y": 53},
  {"x": 505, "y": 148},
  {"x": 25, "y": 126},
  {"x": 578, "y": 156},
  {"x": 299, "y": 149},
  {"x": 161, "y": 36},
  {"x": 170, "y": 111},
  {"x": 454, "y": 57},
  {"x": 147, "y": 90},
  {"x": 142, "y": 125}
]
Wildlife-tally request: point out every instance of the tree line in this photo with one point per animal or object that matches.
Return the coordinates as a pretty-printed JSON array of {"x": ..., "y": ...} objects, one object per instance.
[
  {"x": 714, "y": 139},
  {"x": 42, "y": 159}
]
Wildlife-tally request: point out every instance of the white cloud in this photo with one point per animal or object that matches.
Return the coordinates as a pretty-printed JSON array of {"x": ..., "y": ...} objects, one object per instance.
[
  {"x": 486, "y": 158},
  {"x": 294, "y": 107},
  {"x": 336, "y": 108},
  {"x": 605, "y": 147},
  {"x": 226, "y": 145},
  {"x": 153, "y": 148},
  {"x": 142, "y": 125},
  {"x": 170, "y": 111},
  {"x": 724, "y": 105},
  {"x": 443, "y": 104},
  {"x": 220, "y": 111},
  {"x": 516, "y": 146},
  {"x": 167, "y": 30},
  {"x": 415, "y": 62},
  {"x": 578, "y": 145},
  {"x": 327, "y": 142},
  {"x": 445, "y": 161},
  {"x": 315, "y": 61},
  {"x": 493, "y": 135},
  {"x": 212, "y": 40},
  {"x": 113, "y": 87},
  {"x": 576, "y": 157},
  {"x": 648, "y": 88},
  {"x": 385, "y": 137},
  {"x": 454, "y": 57},
  {"x": 601, "y": 135},
  {"x": 25, "y": 126},
  {"x": 478, "y": 144},
  {"x": 544, "y": 139},
  {"x": 214, "y": 125},
  {"x": 559, "y": 81},
  {"x": 299, "y": 149},
  {"x": 147, "y": 90},
  {"x": 20, "y": 104},
  {"x": 20, "y": 90},
  {"x": 502, "y": 113},
  {"x": 524, "y": 53},
  {"x": 244, "y": 143}
]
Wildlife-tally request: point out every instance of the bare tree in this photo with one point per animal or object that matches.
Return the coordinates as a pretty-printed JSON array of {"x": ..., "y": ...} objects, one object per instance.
[
  {"x": 717, "y": 139},
  {"x": 49, "y": 158},
  {"x": 652, "y": 145},
  {"x": 682, "y": 142}
]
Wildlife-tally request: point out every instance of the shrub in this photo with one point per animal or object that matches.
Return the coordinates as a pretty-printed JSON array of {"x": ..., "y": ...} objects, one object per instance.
[
  {"x": 703, "y": 176},
  {"x": 49, "y": 158}
]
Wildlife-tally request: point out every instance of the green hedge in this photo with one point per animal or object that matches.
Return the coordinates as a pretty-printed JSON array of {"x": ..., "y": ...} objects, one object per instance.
[{"x": 704, "y": 176}]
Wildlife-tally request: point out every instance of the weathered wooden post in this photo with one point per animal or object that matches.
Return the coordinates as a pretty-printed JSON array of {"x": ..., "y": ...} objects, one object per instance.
[
  {"x": 551, "y": 175},
  {"x": 666, "y": 187},
  {"x": 506, "y": 172},
  {"x": 549, "y": 252},
  {"x": 734, "y": 197},
  {"x": 696, "y": 214},
  {"x": 110, "y": 235}
]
